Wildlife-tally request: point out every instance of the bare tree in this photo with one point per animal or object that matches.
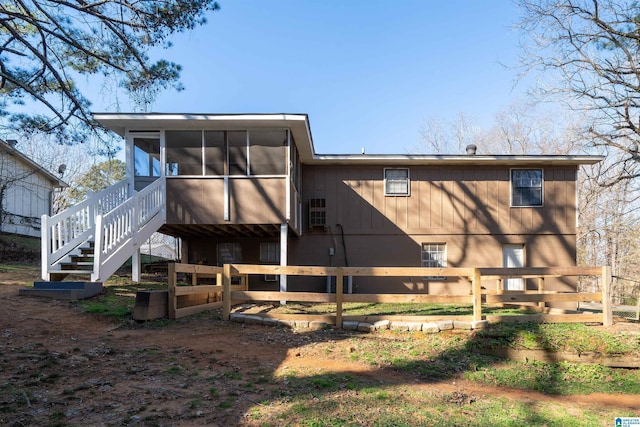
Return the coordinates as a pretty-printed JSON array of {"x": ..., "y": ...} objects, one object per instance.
[{"x": 589, "y": 52}]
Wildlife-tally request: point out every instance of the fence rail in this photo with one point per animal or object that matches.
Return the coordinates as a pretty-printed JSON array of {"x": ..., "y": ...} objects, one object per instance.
[{"x": 225, "y": 292}]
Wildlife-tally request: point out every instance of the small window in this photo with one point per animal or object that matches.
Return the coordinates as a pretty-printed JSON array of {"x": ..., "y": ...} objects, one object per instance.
[
  {"x": 526, "y": 187},
  {"x": 229, "y": 253},
  {"x": 434, "y": 255},
  {"x": 396, "y": 182},
  {"x": 317, "y": 213},
  {"x": 270, "y": 253}
]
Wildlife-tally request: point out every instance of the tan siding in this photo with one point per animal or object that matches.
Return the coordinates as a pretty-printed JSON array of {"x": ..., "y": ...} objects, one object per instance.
[
  {"x": 443, "y": 200},
  {"x": 201, "y": 201},
  {"x": 258, "y": 200}
]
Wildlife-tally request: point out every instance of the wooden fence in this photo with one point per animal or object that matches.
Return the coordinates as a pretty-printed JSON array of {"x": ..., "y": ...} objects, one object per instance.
[{"x": 231, "y": 285}]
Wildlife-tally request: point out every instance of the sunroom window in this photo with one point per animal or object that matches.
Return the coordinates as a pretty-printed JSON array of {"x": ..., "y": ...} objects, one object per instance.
[
  {"x": 184, "y": 152},
  {"x": 268, "y": 152}
]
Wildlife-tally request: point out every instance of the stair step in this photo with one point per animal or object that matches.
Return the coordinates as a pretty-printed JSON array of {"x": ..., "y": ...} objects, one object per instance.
[
  {"x": 82, "y": 258},
  {"x": 74, "y": 266},
  {"x": 63, "y": 290}
]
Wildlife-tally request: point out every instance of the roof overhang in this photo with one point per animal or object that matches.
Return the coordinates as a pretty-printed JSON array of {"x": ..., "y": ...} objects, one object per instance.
[
  {"x": 451, "y": 160},
  {"x": 120, "y": 123}
]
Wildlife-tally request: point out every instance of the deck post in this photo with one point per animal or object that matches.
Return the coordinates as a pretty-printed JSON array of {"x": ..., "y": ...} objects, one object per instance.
[
  {"x": 339, "y": 286},
  {"x": 541, "y": 304},
  {"x": 607, "y": 313},
  {"x": 45, "y": 246},
  {"x": 284, "y": 234},
  {"x": 226, "y": 291},
  {"x": 477, "y": 294},
  {"x": 136, "y": 264},
  {"x": 172, "y": 290}
]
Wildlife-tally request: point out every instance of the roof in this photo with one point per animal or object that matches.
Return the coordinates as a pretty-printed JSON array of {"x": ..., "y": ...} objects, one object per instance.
[
  {"x": 301, "y": 131},
  {"x": 12, "y": 151}
]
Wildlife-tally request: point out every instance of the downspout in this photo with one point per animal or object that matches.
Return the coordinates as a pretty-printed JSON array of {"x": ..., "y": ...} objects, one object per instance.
[
  {"x": 344, "y": 245},
  {"x": 346, "y": 260}
]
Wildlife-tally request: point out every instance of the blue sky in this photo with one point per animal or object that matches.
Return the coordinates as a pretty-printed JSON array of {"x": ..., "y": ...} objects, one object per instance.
[{"x": 368, "y": 73}]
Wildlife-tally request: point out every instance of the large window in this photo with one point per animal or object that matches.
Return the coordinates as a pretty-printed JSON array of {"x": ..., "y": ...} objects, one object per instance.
[
  {"x": 237, "y": 141},
  {"x": 215, "y": 152},
  {"x": 434, "y": 255},
  {"x": 526, "y": 187},
  {"x": 146, "y": 156},
  {"x": 268, "y": 152},
  {"x": 396, "y": 182},
  {"x": 237, "y": 152},
  {"x": 184, "y": 152}
]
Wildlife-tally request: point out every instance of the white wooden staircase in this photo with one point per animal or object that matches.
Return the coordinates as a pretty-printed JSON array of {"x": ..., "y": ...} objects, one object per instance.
[{"x": 96, "y": 236}]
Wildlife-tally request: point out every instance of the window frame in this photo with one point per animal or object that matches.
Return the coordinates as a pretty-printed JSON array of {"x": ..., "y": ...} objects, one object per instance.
[
  {"x": 408, "y": 181},
  {"x": 423, "y": 260},
  {"x": 512, "y": 188},
  {"x": 267, "y": 249}
]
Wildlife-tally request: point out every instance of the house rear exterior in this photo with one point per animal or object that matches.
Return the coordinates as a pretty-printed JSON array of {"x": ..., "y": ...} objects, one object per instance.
[{"x": 250, "y": 188}]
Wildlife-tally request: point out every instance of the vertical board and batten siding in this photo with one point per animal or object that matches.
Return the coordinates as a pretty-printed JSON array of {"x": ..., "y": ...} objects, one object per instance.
[
  {"x": 466, "y": 207},
  {"x": 201, "y": 201},
  {"x": 26, "y": 199},
  {"x": 458, "y": 200}
]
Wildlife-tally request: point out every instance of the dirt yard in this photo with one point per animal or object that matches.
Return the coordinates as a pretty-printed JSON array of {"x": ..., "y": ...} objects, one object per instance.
[{"x": 61, "y": 367}]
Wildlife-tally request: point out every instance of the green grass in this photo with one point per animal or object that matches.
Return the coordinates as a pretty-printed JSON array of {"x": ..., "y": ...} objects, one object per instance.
[
  {"x": 401, "y": 309},
  {"x": 117, "y": 299},
  {"x": 400, "y": 406}
]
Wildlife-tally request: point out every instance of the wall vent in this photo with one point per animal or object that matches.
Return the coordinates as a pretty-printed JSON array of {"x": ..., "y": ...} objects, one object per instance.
[{"x": 317, "y": 213}]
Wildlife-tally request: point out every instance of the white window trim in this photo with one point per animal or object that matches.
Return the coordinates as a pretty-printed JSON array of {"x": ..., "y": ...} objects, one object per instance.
[
  {"x": 408, "y": 193},
  {"x": 511, "y": 188},
  {"x": 444, "y": 244}
]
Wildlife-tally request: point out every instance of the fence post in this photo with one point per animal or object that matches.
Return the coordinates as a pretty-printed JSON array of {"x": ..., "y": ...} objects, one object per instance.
[
  {"x": 173, "y": 299},
  {"x": 477, "y": 294},
  {"x": 226, "y": 291},
  {"x": 541, "y": 304},
  {"x": 339, "y": 285},
  {"x": 607, "y": 313}
]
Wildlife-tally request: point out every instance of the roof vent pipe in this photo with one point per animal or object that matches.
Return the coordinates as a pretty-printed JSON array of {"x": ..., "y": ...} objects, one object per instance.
[{"x": 471, "y": 150}]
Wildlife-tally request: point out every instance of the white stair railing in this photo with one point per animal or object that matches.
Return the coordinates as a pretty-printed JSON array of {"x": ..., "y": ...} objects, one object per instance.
[
  {"x": 122, "y": 230},
  {"x": 64, "y": 232}
]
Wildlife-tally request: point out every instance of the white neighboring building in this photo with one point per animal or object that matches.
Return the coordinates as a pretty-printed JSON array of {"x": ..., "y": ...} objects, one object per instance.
[
  {"x": 26, "y": 191},
  {"x": 160, "y": 249}
]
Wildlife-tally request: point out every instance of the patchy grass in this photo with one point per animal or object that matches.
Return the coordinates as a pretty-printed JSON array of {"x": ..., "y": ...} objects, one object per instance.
[
  {"x": 381, "y": 309},
  {"x": 117, "y": 299},
  {"x": 400, "y": 406}
]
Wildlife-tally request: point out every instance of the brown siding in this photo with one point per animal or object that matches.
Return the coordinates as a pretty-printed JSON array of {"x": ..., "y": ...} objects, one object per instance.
[
  {"x": 201, "y": 201},
  {"x": 470, "y": 200}
]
